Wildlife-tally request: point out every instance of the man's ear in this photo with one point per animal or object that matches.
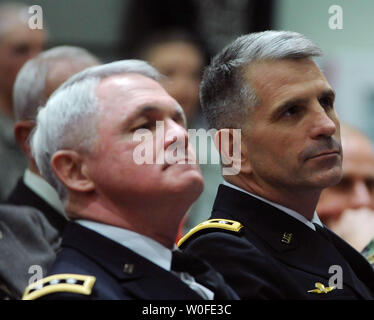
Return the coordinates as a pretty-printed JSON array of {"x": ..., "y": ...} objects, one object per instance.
[
  {"x": 22, "y": 130},
  {"x": 229, "y": 145},
  {"x": 71, "y": 170}
]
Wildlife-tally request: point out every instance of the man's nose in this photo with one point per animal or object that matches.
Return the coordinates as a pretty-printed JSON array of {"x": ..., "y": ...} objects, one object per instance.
[
  {"x": 323, "y": 124},
  {"x": 360, "y": 196},
  {"x": 175, "y": 133}
]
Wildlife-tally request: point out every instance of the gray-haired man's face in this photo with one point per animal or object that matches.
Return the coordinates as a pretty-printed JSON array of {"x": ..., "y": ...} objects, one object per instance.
[{"x": 293, "y": 138}]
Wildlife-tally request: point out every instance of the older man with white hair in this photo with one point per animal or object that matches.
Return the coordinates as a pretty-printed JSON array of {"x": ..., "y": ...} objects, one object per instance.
[{"x": 125, "y": 216}]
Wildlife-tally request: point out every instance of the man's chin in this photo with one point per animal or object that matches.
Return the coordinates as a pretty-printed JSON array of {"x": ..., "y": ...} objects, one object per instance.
[
  {"x": 330, "y": 178},
  {"x": 192, "y": 185}
]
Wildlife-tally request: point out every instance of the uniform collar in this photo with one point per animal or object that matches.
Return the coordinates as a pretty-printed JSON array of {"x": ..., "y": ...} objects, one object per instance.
[
  {"x": 142, "y": 245},
  {"x": 136, "y": 274},
  {"x": 289, "y": 211}
]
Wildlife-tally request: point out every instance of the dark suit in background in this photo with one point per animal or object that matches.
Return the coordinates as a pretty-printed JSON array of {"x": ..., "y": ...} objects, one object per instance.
[
  {"x": 25, "y": 196},
  {"x": 27, "y": 239}
]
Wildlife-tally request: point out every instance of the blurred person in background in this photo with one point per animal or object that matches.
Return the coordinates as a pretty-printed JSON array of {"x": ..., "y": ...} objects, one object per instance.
[
  {"x": 348, "y": 207},
  {"x": 179, "y": 56},
  {"x": 36, "y": 81},
  {"x": 18, "y": 43},
  {"x": 31, "y": 236}
]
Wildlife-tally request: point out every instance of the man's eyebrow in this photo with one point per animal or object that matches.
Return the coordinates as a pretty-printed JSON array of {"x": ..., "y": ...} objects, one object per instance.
[
  {"x": 329, "y": 93},
  {"x": 151, "y": 109},
  {"x": 299, "y": 101},
  {"x": 278, "y": 110},
  {"x": 142, "y": 111}
]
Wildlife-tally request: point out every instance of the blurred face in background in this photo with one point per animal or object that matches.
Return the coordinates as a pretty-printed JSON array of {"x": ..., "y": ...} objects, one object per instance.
[
  {"x": 182, "y": 64},
  {"x": 356, "y": 189},
  {"x": 17, "y": 45}
]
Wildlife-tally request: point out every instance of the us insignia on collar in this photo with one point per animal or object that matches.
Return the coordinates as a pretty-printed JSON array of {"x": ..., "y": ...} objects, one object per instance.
[
  {"x": 320, "y": 288},
  {"x": 287, "y": 238}
]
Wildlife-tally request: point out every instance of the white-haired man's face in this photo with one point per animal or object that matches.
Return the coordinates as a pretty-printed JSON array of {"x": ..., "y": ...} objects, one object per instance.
[{"x": 128, "y": 103}]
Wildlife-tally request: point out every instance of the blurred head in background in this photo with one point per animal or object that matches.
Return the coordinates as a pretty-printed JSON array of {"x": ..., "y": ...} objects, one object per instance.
[
  {"x": 37, "y": 80},
  {"x": 179, "y": 57},
  {"x": 18, "y": 43},
  {"x": 356, "y": 188}
]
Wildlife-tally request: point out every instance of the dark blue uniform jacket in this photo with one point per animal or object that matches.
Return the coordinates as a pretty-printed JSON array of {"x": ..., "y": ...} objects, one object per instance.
[{"x": 275, "y": 256}]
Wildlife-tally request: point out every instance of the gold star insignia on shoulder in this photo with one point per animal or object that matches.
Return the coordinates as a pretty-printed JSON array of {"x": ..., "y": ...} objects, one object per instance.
[{"x": 320, "y": 288}]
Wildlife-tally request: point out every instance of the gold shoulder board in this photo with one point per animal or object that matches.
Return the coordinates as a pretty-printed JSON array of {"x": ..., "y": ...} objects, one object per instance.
[
  {"x": 224, "y": 224},
  {"x": 75, "y": 283}
]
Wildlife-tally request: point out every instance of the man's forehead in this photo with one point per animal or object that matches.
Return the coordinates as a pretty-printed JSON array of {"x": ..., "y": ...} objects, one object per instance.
[
  {"x": 130, "y": 85},
  {"x": 127, "y": 85},
  {"x": 357, "y": 146},
  {"x": 135, "y": 92},
  {"x": 128, "y": 80},
  {"x": 282, "y": 71},
  {"x": 286, "y": 78}
]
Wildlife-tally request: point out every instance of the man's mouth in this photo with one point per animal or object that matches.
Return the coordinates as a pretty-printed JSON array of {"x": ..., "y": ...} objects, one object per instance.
[{"x": 325, "y": 153}]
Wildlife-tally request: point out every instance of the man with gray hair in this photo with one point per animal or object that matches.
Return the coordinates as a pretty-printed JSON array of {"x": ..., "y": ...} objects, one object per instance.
[
  {"x": 124, "y": 215},
  {"x": 35, "y": 82},
  {"x": 18, "y": 43},
  {"x": 264, "y": 235}
]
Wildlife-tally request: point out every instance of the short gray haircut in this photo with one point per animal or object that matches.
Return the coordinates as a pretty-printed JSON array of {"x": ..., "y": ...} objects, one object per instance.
[
  {"x": 226, "y": 97},
  {"x": 30, "y": 84},
  {"x": 69, "y": 119}
]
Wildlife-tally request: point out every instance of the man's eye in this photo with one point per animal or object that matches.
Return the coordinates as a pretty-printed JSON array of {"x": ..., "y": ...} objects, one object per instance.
[
  {"x": 370, "y": 185},
  {"x": 179, "y": 120},
  {"x": 290, "y": 111},
  {"x": 21, "y": 49},
  {"x": 145, "y": 125},
  {"x": 345, "y": 184}
]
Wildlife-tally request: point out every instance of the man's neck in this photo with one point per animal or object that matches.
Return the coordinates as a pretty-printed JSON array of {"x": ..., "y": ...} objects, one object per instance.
[
  {"x": 159, "y": 222},
  {"x": 302, "y": 201}
]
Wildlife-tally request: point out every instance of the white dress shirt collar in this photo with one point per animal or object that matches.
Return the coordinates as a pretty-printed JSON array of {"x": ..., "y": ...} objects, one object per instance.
[{"x": 290, "y": 212}]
